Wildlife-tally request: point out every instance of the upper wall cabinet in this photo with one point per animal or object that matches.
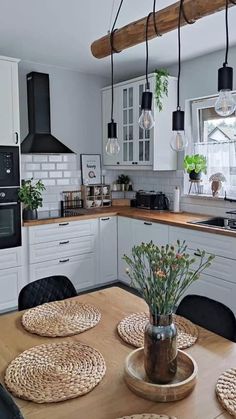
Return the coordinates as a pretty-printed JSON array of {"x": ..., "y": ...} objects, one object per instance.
[
  {"x": 139, "y": 148},
  {"x": 9, "y": 102}
]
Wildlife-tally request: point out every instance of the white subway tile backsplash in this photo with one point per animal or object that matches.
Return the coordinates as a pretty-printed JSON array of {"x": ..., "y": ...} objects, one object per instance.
[
  {"x": 40, "y": 158},
  {"x": 69, "y": 158},
  {"x": 62, "y": 166},
  {"x": 27, "y": 175},
  {"x": 49, "y": 182},
  {"x": 40, "y": 175},
  {"x": 32, "y": 166},
  {"x": 55, "y": 174},
  {"x": 55, "y": 158},
  {"x": 48, "y": 166},
  {"x": 63, "y": 181},
  {"x": 26, "y": 158}
]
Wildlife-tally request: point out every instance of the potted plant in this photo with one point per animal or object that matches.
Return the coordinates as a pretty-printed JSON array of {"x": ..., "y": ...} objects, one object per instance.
[
  {"x": 195, "y": 165},
  {"x": 162, "y": 274},
  {"x": 30, "y": 194},
  {"x": 123, "y": 180}
]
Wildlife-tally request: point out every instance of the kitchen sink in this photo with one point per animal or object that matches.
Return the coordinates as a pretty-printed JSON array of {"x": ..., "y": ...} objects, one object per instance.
[{"x": 219, "y": 222}]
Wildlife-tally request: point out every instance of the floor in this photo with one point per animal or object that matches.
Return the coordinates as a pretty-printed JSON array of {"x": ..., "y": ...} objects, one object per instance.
[{"x": 113, "y": 284}]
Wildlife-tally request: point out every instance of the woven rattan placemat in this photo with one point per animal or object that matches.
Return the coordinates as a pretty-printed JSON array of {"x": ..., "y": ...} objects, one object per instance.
[
  {"x": 131, "y": 330},
  {"x": 226, "y": 390},
  {"x": 60, "y": 318},
  {"x": 148, "y": 416},
  {"x": 55, "y": 372}
]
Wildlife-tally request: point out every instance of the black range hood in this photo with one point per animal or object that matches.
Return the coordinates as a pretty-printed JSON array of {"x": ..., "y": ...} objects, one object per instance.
[{"x": 40, "y": 140}]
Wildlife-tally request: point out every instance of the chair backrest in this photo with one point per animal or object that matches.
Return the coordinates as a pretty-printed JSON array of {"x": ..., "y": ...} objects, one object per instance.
[
  {"x": 8, "y": 408},
  {"x": 45, "y": 290},
  {"x": 210, "y": 314}
]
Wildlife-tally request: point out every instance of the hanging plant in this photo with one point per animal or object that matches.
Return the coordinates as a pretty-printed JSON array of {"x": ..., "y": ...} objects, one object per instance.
[{"x": 161, "y": 86}]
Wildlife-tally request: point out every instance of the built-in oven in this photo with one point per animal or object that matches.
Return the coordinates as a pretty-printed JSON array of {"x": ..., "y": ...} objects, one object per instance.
[
  {"x": 9, "y": 166},
  {"x": 10, "y": 218}
]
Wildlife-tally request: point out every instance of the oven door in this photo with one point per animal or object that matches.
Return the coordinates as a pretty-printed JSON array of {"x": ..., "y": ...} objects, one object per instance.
[
  {"x": 10, "y": 225},
  {"x": 9, "y": 166}
]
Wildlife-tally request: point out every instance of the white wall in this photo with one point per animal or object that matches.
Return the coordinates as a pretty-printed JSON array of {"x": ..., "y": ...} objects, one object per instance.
[{"x": 75, "y": 106}]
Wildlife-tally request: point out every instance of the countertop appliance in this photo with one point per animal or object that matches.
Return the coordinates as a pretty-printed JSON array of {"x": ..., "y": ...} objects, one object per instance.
[
  {"x": 152, "y": 200},
  {"x": 10, "y": 218}
]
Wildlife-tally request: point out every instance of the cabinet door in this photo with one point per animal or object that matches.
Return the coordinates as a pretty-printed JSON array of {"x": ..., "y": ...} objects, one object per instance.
[
  {"x": 125, "y": 244},
  {"x": 128, "y": 123},
  {"x": 145, "y": 137},
  {"x": 108, "y": 249},
  {"x": 106, "y": 118},
  {"x": 11, "y": 282},
  {"x": 81, "y": 270},
  {"x": 145, "y": 231},
  {"x": 9, "y": 106}
]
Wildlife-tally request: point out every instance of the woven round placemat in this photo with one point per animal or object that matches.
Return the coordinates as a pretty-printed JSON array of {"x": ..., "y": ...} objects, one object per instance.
[
  {"x": 60, "y": 318},
  {"x": 226, "y": 390},
  {"x": 148, "y": 416},
  {"x": 131, "y": 330},
  {"x": 55, "y": 372}
]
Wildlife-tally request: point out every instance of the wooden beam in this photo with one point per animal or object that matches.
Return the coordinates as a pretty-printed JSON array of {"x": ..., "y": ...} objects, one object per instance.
[{"x": 166, "y": 20}]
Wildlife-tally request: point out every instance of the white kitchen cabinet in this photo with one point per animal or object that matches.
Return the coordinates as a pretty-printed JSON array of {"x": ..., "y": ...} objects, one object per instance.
[
  {"x": 145, "y": 231},
  {"x": 9, "y": 102},
  {"x": 11, "y": 282},
  {"x": 108, "y": 249},
  {"x": 80, "y": 269},
  {"x": 106, "y": 118},
  {"x": 140, "y": 148},
  {"x": 125, "y": 244}
]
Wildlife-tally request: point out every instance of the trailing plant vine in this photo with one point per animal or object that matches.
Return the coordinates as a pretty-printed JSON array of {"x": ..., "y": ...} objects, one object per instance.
[{"x": 161, "y": 86}]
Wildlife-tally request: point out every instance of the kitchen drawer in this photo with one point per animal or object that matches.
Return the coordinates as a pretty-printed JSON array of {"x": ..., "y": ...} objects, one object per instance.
[
  {"x": 213, "y": 243},
  {"x": 81, "y": 270},
  {"x": 10, "y": 258},
  {"x": 145, "y": 231},
  {"x": 62, "y": 231},
  {"x": 215, "y": 288},
  {"x": 10, "y": 286},
  {"x": 61, "y": 249}
]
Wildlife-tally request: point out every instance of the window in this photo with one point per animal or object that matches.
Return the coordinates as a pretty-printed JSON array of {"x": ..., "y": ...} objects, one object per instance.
[{"x": 214, "y": 137}]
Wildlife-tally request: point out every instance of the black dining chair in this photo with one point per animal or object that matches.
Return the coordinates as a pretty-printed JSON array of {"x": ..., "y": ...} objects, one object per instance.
[
  {"x": 45, "y": 290},
  {"x": 8, "y": 408},
  {"x": 210, "y": 314}
]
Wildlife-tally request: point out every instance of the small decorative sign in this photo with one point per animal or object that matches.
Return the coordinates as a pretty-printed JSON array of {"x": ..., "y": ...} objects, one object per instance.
[{"x": 90, "y": 169}]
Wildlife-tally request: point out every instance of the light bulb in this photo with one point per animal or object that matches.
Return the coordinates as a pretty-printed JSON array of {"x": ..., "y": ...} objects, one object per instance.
[
  {"x": 112, "y": 147},
  {"x": 146, "y": 120},
  {"x": 225, "y": 104},
  {"x": 179, "y": 141}
]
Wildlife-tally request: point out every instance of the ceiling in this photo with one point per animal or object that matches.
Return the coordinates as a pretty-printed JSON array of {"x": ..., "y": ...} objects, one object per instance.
[{"x": 59, "y": 32}]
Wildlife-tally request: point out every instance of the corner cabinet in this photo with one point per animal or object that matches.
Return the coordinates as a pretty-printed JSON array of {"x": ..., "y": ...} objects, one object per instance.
[
  {"x": 139, "y": 148},
  {"x": 9, "y": 102}
]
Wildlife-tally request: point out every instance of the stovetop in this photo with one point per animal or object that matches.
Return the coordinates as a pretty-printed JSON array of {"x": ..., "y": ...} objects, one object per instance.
[{"x": 46, "y": 215}]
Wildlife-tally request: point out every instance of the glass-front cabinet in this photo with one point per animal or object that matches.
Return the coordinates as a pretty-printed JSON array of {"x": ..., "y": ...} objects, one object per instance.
[{"x": 139, "y": 147}]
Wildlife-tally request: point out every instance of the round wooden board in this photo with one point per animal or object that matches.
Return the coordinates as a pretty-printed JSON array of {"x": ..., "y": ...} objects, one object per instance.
[
  {"x": 60, "y": 318},
  {"x": 55, "y": 372},
  {"x": 131, "y": 330}
]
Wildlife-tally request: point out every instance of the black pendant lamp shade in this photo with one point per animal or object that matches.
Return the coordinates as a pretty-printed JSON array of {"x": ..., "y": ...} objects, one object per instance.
[
  {"x": 178, "y": 120},
  {"x": 225, "y": 78},
  {"x": 146, "y": 101},
  {"x": 112, "y": 129}
]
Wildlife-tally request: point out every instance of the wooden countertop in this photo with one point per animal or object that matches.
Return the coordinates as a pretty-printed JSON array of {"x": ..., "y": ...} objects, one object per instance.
[
  {"x": 112, "y": 399},
  {"x": 163, "y": 217}
]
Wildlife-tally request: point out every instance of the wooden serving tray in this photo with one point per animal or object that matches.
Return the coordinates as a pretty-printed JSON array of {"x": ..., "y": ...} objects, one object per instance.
[{"x": 182, "y": 385}]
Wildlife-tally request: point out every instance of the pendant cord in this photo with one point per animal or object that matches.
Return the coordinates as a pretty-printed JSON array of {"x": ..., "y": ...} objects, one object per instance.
[
  {"x": 147, "y": 55},
  {"x": 226, "y": 32},
  {"x": 154, "y": 19},
  {"x": 112, "y": 59},
  {"x": 179, "y": 55}
]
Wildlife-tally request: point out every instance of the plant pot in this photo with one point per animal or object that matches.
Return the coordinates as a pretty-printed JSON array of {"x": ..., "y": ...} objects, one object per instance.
[
  {"x": 160, "y": 349},
  {"x": 195, "y": 176},
  {"x": 29, "y": 214},
  {"x": 126, "y": 187},
  {"x": 122, "y": 187}
]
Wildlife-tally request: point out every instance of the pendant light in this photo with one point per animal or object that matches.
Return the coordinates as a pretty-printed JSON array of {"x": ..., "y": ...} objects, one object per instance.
[
  {"x": 146, "y": 120},
  {"x": 112, "y": 146},
  {"x": 225, "y": 104},
  {"x": 179, "y": 141}
]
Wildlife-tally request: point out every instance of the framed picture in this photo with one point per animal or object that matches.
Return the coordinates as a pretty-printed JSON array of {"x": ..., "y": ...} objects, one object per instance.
[{"x": 90, "y": 169}]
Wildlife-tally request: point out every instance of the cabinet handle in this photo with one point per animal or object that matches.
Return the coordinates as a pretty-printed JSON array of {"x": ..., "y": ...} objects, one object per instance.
[
  {"x": 66, "y": 242},
  {"x": 16, "y": 137},
  {"x": 147, "y": 224},
  {"x": 117, "y": 162},
  {"x": 105, "y": 219},
  {"x": 63, "y": 224},
  {"x": 64, "y": 260},
  {"x": 197, "y": 254}
]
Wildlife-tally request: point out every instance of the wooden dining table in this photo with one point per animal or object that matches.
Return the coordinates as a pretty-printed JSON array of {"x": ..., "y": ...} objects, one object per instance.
[{"x": 112, "y": 399}]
